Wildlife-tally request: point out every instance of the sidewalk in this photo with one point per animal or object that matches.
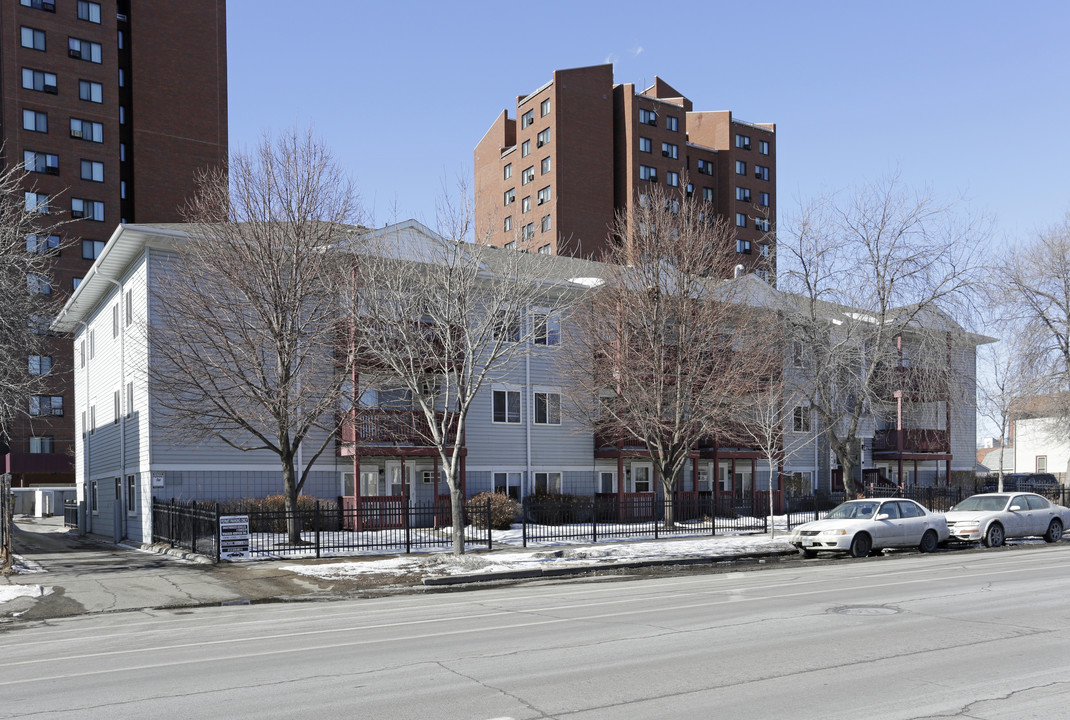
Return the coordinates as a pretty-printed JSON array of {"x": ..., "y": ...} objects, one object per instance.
[{"x": 63, "y": 574}]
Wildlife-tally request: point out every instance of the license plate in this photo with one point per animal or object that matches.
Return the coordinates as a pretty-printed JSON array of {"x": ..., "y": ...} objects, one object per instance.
[{"x": 807, "y": 542}]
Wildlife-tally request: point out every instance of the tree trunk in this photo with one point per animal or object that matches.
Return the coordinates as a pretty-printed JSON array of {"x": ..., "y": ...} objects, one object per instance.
[
  {"x": 289, "y": 486},
  {"x": 847, "y": 466},
  {"x": 457, "y": 512}
]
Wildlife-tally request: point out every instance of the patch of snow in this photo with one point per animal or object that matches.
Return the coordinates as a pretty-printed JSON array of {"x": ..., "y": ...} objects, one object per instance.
[{"x": 10, "y": 592}]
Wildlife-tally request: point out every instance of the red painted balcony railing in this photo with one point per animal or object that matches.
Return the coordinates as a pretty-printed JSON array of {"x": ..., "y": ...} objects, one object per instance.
[
  {"x": 914, "y": 441},
  {"x": 397, "y": 427}
]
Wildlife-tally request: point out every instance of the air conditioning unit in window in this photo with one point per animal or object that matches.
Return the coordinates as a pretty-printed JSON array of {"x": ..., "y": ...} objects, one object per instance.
[
  {"x": 48, "y": 6},
  {"x": 654, "y": 118},
  {"x": 51, "y": 170},
  {"x": 76, "y": 133},
  {"x": 653, "y": 176},
  {"x": 74, "y": 53},
  {"x": 665, "y": 153},
  {"x": 540, "y": 143},
  {"x": 50, "y": 89},
  {"x": 77, "y": 214}
]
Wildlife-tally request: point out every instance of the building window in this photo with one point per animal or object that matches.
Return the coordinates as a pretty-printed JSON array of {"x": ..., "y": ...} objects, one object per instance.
[
  {"x": 527, "y": 119},
  {"x": 131, "y": 494},
  {"x": 547, "y": 408},
  {"x": 763, "y": 250},
  {"x": 544, "y": 195},
  {"x": 508, "y": 223},
  {"x": 92, "y": 344},
  {"x": 743, "y": 194},
  {"x": 34, "y": 121},
  {"x": 33, "y": 38},
  {"x": 40, "y": 81},
  {"x": 670, "y": 151},
  {"x": 742, "y": 142},
  {"x": 648, "y": 117},
  {"x": 1042, "y": 463},
  {"x": 37, "y": 202},
  {"x": 89, "y": 11},
  {"x": 741, "y": 167},
  {"x": 90, "y": 91},
  {"x": 46, "y": 5},
  {"x": 545, "y": 166},
  {"x": 542, "y": 138},
  {"x": 117, "y": 409},
  {"x": 507, "y": 483},
  {"x": 743, "y": 246},
  {"x": 763, "y": 199},
  {"x": 645, "y": 145},
  {"x": 545, "y": 223},
  {"x": 92, "y": 170},
  {"x": 528, "y": 175},
  {"x": 529, "y": 230},
  {"x": 130, "y": 398},
  {"x": 707, "y": 194},
  {"x": 93, "y": 497},
  {"x": 507, "y": 327},
  {"x": 762, "y": 224},
  {"x": 506, "y": 406},
  {"x": 761, "y": 172},
  {"x": 87, "y": 130},
  {"x": 762, "y": 273},
  {"x": 129, "y": 307},
  {"x": 510, "y": 245},
  {"x": 547, "y": 483},
  {"x": 546, "y": 250},
  {"x": 648, "y": 173},
  {"x": 508, "y": 171},
  {"x": 115, "y": 320},
  {"x": 42, "y": 445},
  {"x": 705, "y": 167},
  {"x": 75, "y": 282},
  {"x": 672, "y": 179},
  {"x": 525, "y": 148},
  {"x": 42, "y": 405},
  {"x": 39, "y": 162},
  {"x": 690, "y": 189},
  {"x": 672, "y": 123},
  {"x": 41, "y": 244},
  {"x": 40, "y": 364},
  {"x": 38, "y": 285},
  {"x": 83, "y": 50},
  {"x": 801, "y": 419},
  {"x": 546, "y": 329},
  {"x": 763, "y": 147},
  {"x": 798, "y": 357},
  {"x": 525, "y": 204},
  {"x": 87, "y": 209},
  {"x": 741, "y": 220},
  {"x": 510, "y": 196}
]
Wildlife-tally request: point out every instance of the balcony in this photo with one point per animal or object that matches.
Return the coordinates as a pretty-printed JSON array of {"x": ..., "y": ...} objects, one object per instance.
[
  {"x": 25, "y": 463},
  {"x": 914, "y": 441},
  {"x": 731, "y": 437},
  {"x": 914, "y": 382},
  {"x": 388, "y": 427}
]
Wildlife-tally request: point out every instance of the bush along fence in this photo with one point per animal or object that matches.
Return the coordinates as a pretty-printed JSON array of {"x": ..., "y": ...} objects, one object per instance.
[{"x": 325, "y": 527}]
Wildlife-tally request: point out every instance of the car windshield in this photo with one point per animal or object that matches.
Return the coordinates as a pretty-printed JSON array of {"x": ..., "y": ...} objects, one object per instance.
[
  {"x": 984, "y": 503},
  {"x": 854, "y": 510}
]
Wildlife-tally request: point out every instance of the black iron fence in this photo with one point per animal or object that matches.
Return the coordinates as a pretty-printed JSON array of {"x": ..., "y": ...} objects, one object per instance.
[
  {"x": 317, "y": 528},
  {"x": 70, "y": 513},
  {"x": 7, "y": 524}
]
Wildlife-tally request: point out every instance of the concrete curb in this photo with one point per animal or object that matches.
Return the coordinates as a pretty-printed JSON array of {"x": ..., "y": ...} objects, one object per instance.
[
  {"x": 164, "y": 549},
  {"x": 549, "y": 572}
]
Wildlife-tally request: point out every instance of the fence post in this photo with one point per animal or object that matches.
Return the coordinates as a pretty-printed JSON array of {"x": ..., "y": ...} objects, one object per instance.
[
  {"x": 408, "y": 533},
  {"x": 316, "y": 527},
  {"x": 594, "y": 519},
  {"x": 218, "y": 543},
  {"x": 654, "y": 515},
  {"x": 523, "y": 526},
  {"x": 171, "y": 522},
  {"x": 490, "y": 539}
]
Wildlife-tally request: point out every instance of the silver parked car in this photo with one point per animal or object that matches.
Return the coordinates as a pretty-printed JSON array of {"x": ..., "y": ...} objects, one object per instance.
[
  {"x": 859, "y": 527},
  {"x": 993, "y": 517}
]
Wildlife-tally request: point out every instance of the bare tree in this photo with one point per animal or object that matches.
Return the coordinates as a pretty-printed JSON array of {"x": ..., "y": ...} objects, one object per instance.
[
  {"x": 441, "y": 318},
  {"x": 28, "y": 247},
  {"x": 875, "y": 278},
  {"x": 1002, "y": 382},
  {"x": 665, "y": 349},
  {"x": 245, "y": 331}
]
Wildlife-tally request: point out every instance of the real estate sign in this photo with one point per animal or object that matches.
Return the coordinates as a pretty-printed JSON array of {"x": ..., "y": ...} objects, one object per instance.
[{"x": 233, "y": 537}]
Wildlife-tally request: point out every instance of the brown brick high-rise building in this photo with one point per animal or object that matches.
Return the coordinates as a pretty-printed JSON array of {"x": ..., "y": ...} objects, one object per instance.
[
  {"x": 113, "y": 105},
  {"x": 584, "y": 148}
]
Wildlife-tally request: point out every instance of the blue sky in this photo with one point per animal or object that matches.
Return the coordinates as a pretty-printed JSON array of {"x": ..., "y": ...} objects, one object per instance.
[{"x": 967, "y": 98}]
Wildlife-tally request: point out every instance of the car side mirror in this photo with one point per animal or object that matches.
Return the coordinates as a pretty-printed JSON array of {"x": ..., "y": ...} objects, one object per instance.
[
  {"x": 951, "y": 508},
  {"x": 882, "y": 516},
  {"x": 1015, "y": 508}
]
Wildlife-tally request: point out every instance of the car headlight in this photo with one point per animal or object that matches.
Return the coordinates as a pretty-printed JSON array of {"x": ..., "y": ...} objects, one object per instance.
[
  {"x": 971, "y": 525},
  {"x": 837, "y": 531}
]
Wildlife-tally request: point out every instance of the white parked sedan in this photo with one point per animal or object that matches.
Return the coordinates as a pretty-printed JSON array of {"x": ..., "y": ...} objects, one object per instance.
[
  {"x": 859, "y": 527},
  {"x": 993, "y": 517}
]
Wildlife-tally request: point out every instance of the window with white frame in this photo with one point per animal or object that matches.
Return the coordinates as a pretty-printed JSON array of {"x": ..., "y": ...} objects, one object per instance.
[
  {"x": 641, "y": 478},
  {"x": 547, "y": 407},
  {"x": 507, "y": 172},
  {"x": 508, "y": 224},
  {"x": 762, "y": 224},
  {"x": 525, "y": 148},
  {"x": 527, "y": 119},
  {"x": 547, "y": 483},
  {"x": 543, "y": 138},
  {"x": 510, "y": 196},
  {"x": 529, "y": 229},
  {"x": 545, "y": 225},
  {"x": 1042, "y": 463},
  {"x": 506, "y": 405},
  {"x": 607, "y": 482},
  {"x": 545, "y": 165},
  {"x": 801, "y": 418},
  {"x": 116, "y": 406},
  {"x": 94, "y": 498},
  {"x": 546, "y": 249},
  {"x": 130, "y": 398},
  {"x": 525, "y": 204},
  {"x": 544, "y": 195},
  {"x": 131, "y": 494},
  {"x": 528, "y": 175},
  {"x": 546, "y": 328},
  {"x": 37, "y": 202},
  {"x": 743, "y": 246},
  {"x": 544, "y": 108},
  {"x": 507, "y": 483}
]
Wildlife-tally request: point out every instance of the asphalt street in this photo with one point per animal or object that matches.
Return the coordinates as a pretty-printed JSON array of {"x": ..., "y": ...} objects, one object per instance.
[{"x": 967, "y": 635}]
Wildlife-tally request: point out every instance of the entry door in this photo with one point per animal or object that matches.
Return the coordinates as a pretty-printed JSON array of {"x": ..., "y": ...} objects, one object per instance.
[
  {"x": 607, "y": 482},
  {"x": 399, "y": 483},
  {"x": 642, "y": 479}
]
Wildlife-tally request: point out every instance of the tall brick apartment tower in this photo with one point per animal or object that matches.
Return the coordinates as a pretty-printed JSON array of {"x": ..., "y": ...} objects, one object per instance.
[
  {"x": 113, "y": 105},
  {"x": 586, "y": 148}
]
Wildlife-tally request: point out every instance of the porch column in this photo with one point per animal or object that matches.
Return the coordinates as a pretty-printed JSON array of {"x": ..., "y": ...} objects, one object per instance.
[
  {"x": 732, "y": 479},
  {"x": 694, "y": 474},
  {"x": 404, "y": 482},
  {"x": 899, "y": 478},
  {"x": 753, "y": 475},
  {"x": 915, "y": 472},
  {"x": 620, "y": 478},
  {"x": 949, "y": 473}
]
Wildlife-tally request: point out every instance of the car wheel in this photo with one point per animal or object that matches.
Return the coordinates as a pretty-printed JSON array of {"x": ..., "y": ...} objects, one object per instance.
[
  {"x": 1055, "y": 531},
  {"x": 809, "y": 554},
  {"x": 928, "y": 542},
  {"x": 994, "y": 536},
  {"x": 861, "y": 545}
]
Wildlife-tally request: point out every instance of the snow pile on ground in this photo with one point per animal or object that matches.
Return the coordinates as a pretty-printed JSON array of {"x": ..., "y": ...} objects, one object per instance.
[
  {"x": 10, "y": 592},
  {"x": 441, "y": 564}
]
